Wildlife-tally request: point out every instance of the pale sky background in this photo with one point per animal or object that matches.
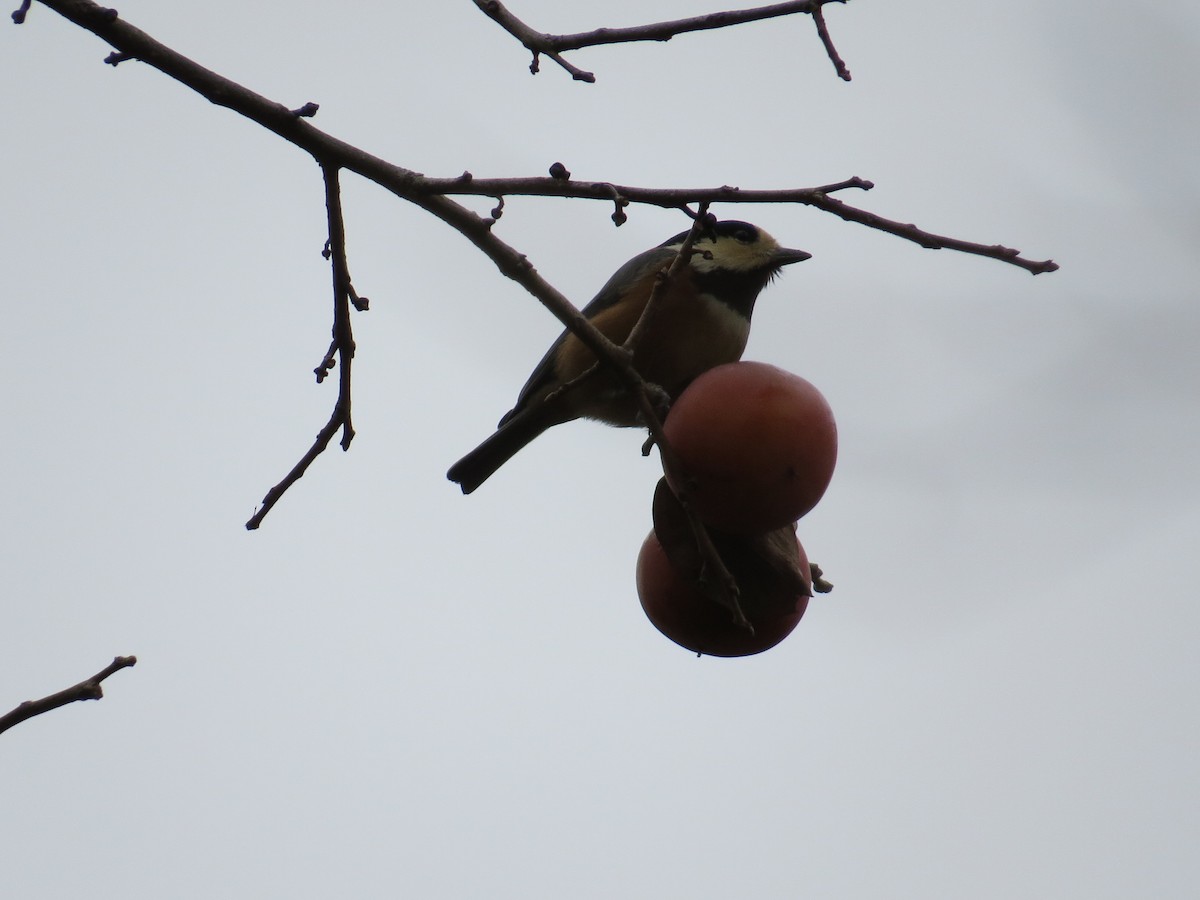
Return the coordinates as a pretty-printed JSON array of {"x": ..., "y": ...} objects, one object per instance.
[{"x": 392, "y": 690}]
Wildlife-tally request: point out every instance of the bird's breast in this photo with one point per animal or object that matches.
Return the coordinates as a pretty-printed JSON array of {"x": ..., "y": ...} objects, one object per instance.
[{"x": 681, "y": 344}]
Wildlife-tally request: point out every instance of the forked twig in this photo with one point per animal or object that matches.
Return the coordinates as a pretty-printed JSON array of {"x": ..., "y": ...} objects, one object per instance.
[{"x": 553, "y": 45}]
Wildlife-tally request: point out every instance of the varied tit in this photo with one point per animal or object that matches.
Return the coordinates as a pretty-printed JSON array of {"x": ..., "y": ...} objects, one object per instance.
[{"x": 701, "y": 320}]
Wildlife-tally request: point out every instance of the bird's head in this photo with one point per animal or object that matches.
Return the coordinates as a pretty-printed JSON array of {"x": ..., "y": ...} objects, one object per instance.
[{"x": 737, "y": 248}]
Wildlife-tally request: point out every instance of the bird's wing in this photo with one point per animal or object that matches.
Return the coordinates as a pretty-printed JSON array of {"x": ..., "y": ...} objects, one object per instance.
[{"x": 622, "y": 280}]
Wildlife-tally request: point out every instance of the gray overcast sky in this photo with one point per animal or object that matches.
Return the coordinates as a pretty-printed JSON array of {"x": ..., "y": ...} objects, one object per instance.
[{"x": 393, "y": 690}]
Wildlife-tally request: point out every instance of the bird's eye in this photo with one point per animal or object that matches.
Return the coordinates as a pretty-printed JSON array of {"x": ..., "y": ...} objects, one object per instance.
[{"x": 744, "y": 236}]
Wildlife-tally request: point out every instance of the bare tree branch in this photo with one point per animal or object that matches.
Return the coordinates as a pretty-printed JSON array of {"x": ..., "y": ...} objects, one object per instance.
[
  {"x": 553, "y": 45},
  {"x": 432, "y": 195},
  {"x": 428, "y": 193},
  {"x": 561, "y": 185},
  {"x": 671, "y": 198},
  {"x": 88, "y": 689}
]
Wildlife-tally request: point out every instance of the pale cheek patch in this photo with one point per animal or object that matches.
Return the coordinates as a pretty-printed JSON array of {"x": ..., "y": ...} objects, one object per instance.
[{"x": 732, "y": 256}]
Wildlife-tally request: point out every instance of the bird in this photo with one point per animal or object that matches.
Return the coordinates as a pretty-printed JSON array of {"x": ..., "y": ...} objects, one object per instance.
[{"x": 701, "y": 320}]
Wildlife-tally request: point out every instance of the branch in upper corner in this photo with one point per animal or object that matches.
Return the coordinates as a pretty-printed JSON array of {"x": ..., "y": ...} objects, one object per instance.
[
  {"x": 431, "y": 193},
  {"x": 341, "y": 348},
  {"x": 553, "y": 45},
  {"x": 88, "y": 689}
]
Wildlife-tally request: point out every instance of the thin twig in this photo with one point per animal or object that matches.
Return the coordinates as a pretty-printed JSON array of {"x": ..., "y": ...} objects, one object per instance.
[
  {"x": 552, "y": 45},
  {"x": 664, "y": 277},
  {"x": 716, "y": 573},
  {"x": 928, "y": 239},
  {"x": 839, "y": 64},
  {"x": 297, "y": 472},
  {"x": 342, "y": 344},
  {"x": 343, "y": 334},
  {"x": 88, "y": 689}
]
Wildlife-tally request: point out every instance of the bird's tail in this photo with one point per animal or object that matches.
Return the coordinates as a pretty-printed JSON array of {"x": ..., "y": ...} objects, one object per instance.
[{"x": 477, "y": 466}]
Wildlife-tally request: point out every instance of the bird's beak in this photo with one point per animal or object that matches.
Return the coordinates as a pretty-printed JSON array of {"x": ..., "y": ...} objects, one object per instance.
[{"x": 785, "y": 257}]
